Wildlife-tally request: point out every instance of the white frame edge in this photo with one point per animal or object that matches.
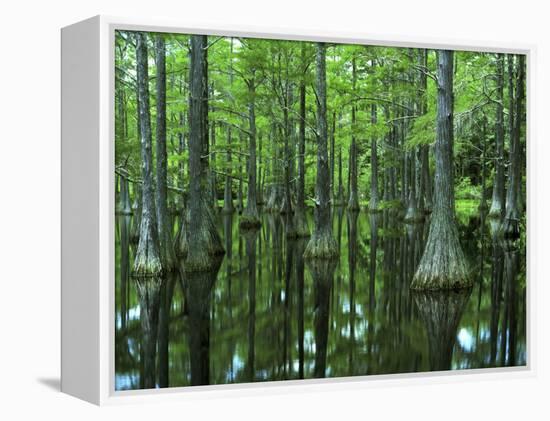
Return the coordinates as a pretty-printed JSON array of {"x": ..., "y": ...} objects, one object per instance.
[{"x": 95, "y": 382}]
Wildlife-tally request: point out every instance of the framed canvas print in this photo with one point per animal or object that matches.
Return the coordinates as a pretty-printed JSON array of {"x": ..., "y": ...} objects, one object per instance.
[{"x": 249, "y": 208}]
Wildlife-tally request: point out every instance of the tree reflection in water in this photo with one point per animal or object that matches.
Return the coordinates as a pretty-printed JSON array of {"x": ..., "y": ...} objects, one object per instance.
[{"x": 263, "y": 316}]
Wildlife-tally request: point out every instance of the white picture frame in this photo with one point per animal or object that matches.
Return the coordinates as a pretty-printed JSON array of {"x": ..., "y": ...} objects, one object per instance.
[{"x": 88, "y": 213}]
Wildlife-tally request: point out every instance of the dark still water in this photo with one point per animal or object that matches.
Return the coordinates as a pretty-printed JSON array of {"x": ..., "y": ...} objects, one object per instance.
[{"x": 265, "y": 314}]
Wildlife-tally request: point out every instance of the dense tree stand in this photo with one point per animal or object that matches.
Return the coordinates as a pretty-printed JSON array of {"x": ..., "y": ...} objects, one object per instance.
[
  {"x": 322, "y": 244},
  {"x": 443, "y": 264},
  {"x": 147, "y": 261}
]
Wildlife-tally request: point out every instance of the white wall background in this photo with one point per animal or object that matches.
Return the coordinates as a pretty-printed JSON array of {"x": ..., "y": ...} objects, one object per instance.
[{"x": 30, "y": 196}]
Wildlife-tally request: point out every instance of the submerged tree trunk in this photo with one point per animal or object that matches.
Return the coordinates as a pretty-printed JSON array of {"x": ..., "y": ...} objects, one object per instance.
[
  {"x": 203, "y": 237},
  {"x": 443, "y": 264},
  {"x": 167, "y": 253},
  {"x": 322, "y": 244},
  {"x": 300, "y": 221},
  {"x": 147, "y": 261},
  {"x": 498, "y": 203},
  {"x": 510, "y": 225},
  {"x": 250, "y": 217}
]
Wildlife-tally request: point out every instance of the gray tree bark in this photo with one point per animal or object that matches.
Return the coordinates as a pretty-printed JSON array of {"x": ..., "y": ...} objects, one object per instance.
[
  {"x": 147, "y": 261},
  {"x": 250, "y": 217},
  {"x": 498, "y": 203},
  {"x": 443, "y": 264},
  {"x": 167, "y": 252},
  {"x": 204, "y": 240},
  {"x": 322, "y": 244},
  {"x": 510, "y": 225}
]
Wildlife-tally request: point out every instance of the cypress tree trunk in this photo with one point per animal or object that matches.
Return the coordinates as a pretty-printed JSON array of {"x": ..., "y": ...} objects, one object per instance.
[
  {"x": 443, "y": 264},
  {"x": 124, "y": 206},
  {"x": 228, "y": 193},
  {"x": 250, "y": 217},
  {"x": 300, "y": 221},
  {"x": 339, "y": 201},
  {"x": 147, "y": 261},
  {"x": 332, "y": 156},
  {"x": 373, "y": 202},
  {"x": 204, "y": 240},
  {"x": 425, "y": 192},
  {"x": 498, "y": 203},
  {"x": 353, "y": 202},
  {"x": 510, "y": 225},
  {"x": 413, "y": 213},
  {"x": 228, "y": 190},
  {"x": 322, "y": 244},
  {"x": 164, "y": 230},
  {"x": 289, "y": 138}
]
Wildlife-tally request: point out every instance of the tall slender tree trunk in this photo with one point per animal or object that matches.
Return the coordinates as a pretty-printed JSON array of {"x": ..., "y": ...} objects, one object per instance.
[
  {"x": 353, "y": 202},
  {"x": 443, "y": 264},
  {"x": 333, "y": 156},
  {"x": 165, "y": 233},
  {"x": 498, "y": 203},
  {"x": 148, "y": 260},
  {"x": 228, "y": 189},
  {"x": 204, "y": 239},
  {"x": 322, "y": 244},
  {"x": 250, "y": 217},
  {"x": 300, "y": 221},
  {"x": 373, "y": 201},
  {"x": 425, "y": 193}
]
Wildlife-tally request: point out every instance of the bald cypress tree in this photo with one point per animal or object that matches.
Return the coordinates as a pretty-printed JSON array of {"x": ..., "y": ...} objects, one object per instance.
[
  {"x": 322, "y": 244},
  {"x": 443, "y": 264},
  {"x": 167, "y": 252},
  {"x": 203, "y": 238},
  {"x": 147, "y": 261}
]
